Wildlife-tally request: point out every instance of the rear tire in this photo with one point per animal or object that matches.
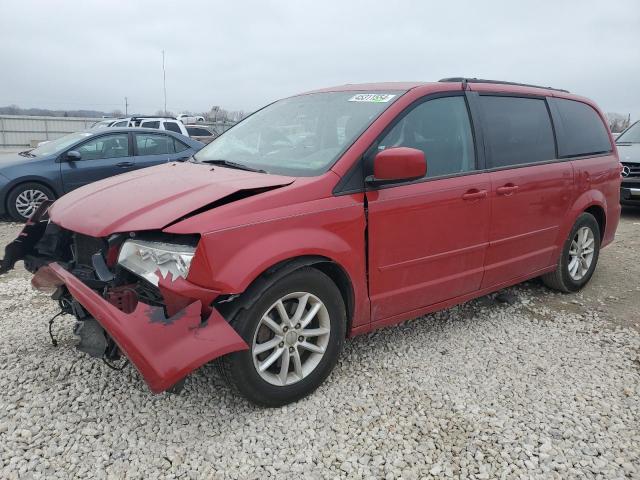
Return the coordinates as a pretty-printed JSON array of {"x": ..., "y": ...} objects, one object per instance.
[
  {"x": 24, "y": 199},
  {"x": 579, "y": 257},
  {"x": 304, "y": 356}
]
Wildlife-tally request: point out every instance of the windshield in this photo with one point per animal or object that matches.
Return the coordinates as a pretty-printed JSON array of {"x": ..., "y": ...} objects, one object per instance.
[
  {"x": 102, "y": 124},
  {"x": 56, "y": 146},
  {"x": 300, "y": 136},
  {"x": 631, "y": 135}
]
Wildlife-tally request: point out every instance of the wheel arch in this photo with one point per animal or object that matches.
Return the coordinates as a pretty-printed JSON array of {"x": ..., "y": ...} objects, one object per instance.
[
  {"x": 600, "y": 215},
  {"x": 230, "y": 305},
  {"x": 24, "y": 180}
]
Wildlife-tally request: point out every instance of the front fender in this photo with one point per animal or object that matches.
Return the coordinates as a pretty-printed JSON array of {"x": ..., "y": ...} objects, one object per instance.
[{"x": 228, "y": 261}]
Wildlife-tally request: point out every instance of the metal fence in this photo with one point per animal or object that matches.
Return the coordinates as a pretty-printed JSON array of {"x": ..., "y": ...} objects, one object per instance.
[{"x": 25, "y": 130}]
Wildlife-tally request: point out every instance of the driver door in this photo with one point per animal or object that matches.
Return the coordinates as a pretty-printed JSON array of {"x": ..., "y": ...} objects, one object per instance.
[
  {"x": 101, "y": 157},
  {"x": 428, "y": 238}
]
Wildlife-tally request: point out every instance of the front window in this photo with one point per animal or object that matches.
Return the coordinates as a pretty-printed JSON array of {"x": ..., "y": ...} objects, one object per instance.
[
  {"x": 301, "y": 135},
  {"x": 631, "y": 135},
  {"x": 56, "y": 146}
]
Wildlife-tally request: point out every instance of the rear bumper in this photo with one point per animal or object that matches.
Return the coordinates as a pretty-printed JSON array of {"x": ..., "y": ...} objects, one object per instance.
[{"x": 164, "y": 350}]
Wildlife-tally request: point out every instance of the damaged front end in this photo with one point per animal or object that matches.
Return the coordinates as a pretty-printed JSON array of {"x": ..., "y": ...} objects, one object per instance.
[{"x": 130, "y": 295}]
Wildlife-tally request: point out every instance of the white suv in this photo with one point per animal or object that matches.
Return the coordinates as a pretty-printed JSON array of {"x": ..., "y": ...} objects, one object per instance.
[{"x": 163, "y": 124}]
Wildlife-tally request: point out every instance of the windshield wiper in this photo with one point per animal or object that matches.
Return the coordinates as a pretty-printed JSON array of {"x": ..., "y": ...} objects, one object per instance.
[
  {"x": 230, "y": 164},
  {"x": 26, "y": 153}
]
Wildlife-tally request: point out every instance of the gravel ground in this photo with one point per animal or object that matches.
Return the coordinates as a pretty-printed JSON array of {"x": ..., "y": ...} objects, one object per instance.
[{"x": 545, "y": 388}]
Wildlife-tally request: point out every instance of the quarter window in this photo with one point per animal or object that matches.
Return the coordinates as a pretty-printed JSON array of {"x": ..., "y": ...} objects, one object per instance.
[
  {"x": 517, "y": 131},
  {"x": 107, "y": 146},
  {"x": 582, "y": 131},
  {"x": 441, "y": 129}
]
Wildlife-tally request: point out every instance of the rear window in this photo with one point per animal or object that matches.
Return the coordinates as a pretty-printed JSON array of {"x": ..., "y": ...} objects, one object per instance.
[
  {"x": 517, "y": 131},
  {"x": 197, "y": 131},
  {"x": 581, "y": 130}
]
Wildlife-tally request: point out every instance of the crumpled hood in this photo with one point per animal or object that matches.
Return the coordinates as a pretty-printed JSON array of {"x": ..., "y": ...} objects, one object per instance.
[
  {"x": 629, "y": 152},
  {"x": 152, "y": 198}
]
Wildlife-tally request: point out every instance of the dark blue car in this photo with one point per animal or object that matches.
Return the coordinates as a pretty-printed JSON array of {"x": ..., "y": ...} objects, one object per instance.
[{"x": 57, "y": 167}]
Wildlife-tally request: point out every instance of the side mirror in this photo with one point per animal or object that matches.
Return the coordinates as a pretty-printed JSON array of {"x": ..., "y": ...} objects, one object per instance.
[
  {"x": 398, "y": 164},
  {"x": 73, "y": 155}
]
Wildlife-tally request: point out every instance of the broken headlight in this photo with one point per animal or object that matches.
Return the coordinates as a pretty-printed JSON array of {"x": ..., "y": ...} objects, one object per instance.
[{"x": 145, "y": 259}]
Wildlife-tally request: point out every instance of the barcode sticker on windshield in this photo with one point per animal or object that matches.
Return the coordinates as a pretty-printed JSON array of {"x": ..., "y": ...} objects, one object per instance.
[{"x": 372, "y": 97}]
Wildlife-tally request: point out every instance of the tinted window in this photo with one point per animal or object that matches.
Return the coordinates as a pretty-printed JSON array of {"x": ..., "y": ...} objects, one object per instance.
[
  {"x": 517, "y": 131},
  {"x": 150, "y": 144},
  {"x": 582, "y": 132},
  {"x": 173, "y": 126},
  {"x": 441, "y": 129},
  {"x": 199, "y": 132},
  {"x": 108, "y": 146},
  {"x": 155, "y": 124}
]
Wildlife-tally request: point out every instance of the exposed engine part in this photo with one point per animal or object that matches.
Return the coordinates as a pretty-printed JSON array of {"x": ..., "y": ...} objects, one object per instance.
[{"x": 93, "y": 339}]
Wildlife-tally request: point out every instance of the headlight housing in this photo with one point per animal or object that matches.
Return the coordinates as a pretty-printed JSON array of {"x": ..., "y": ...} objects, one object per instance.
[{"x": 145, "y": 258}]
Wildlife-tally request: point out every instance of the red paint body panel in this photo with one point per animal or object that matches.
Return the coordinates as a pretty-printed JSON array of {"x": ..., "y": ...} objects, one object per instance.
[
  {"x": 151, "y": 198},
  {"x": 163, "y": 353},
  {"x": 426, "y": 243},
  {"x": 525, "y": 220}
]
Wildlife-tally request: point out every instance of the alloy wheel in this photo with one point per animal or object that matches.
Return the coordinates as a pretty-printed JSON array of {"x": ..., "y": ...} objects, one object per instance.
[
  {"x": 291, "y": 338},
  {"x": 28, "y": 201},
  {"x": 581, "y": 253}
]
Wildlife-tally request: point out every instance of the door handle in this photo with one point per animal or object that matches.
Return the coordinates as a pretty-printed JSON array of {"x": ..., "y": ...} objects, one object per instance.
[
  {"x": 508, "y": 189},
  {"x": 124, "y": 164},
  {"x": 474, "y": 194}
]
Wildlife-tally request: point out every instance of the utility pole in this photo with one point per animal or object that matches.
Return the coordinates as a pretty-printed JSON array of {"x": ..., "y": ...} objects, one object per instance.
[
  {"x": 126, "y": 107},
  {"x": 164, "y": 83}
]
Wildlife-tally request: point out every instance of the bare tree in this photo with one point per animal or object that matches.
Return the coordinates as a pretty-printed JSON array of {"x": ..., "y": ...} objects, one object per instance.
[{"x": 617, "y": 121}]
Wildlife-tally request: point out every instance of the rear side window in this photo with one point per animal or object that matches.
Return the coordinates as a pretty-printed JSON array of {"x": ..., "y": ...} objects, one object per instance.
[
  {"x": 152, "y": 124},
  {"x": 517, "y": 131},
  {"x": 441, "y": 129},
  {"x": 581, "y": 130},
  {"x": 173, "y": 126},
  {"x": 149, "y": 144},
  {"x": 120, "y": 124}
]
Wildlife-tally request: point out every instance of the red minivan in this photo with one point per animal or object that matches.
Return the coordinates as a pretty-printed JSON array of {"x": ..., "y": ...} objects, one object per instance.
[{"x": 326, "y": 215}]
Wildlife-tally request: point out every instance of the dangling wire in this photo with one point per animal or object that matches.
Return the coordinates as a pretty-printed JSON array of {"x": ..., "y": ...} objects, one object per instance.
[
  {"x": 117, "y": 368},
  {"x": 53, "y": 340}
]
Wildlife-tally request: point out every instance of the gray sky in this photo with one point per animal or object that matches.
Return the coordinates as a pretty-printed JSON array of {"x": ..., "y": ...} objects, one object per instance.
[{"x": 243, "y": 54}]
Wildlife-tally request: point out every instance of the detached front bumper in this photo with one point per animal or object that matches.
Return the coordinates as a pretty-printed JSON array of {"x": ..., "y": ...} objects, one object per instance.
[{"x": 164, "y": 350}]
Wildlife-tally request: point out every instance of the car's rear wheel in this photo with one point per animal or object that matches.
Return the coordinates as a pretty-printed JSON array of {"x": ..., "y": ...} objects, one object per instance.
[
  {"x": 579, "y": 256},
  {"x": 295, "y": 332},
  {"x": 25, "y": 199}
]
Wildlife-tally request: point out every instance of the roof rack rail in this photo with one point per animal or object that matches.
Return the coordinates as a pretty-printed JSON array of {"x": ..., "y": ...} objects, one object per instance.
[
  {"x": 151, "y": 116},
  {"x": 499, "y": 82}
]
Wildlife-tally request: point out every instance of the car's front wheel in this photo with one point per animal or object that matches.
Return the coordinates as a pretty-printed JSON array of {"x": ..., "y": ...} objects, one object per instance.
[
  {"x": 295, "y": 332},
  {"x": 25, "y": 199}
]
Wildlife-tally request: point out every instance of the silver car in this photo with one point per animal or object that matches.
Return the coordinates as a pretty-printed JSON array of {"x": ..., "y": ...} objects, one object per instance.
[{"x": 628, "y": 143}]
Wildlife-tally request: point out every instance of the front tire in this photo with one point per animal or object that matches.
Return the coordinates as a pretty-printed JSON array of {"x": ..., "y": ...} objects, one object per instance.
[
  {"x": 579, "y": 257},
  {"x": 25, "y": 199},
  {"x": 295, "y": 331}
]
